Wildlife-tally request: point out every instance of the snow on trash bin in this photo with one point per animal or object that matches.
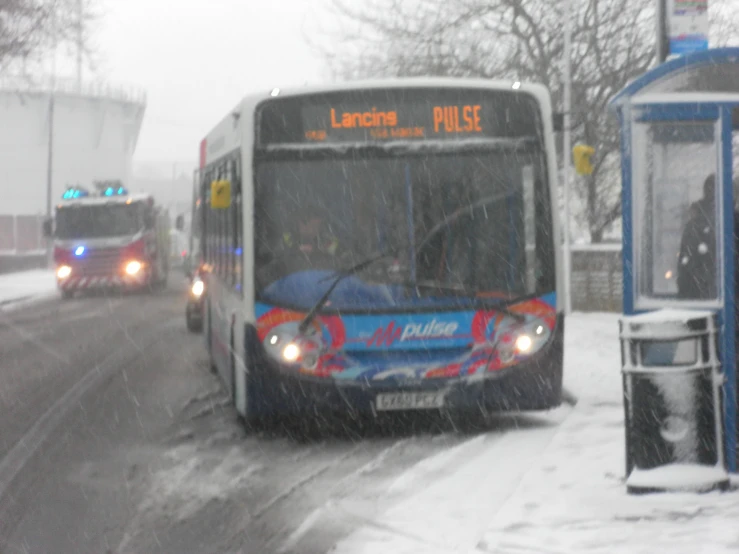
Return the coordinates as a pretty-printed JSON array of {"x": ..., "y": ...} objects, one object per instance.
[{"x": 673, "y": 401}]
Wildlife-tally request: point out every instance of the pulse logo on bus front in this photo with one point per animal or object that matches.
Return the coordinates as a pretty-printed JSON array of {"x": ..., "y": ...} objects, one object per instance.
[
  {"x": 441, "y": 120},
  {"x": 387, "y": 336}
]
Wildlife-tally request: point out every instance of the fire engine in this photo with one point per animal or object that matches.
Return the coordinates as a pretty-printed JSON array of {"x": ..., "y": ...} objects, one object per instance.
[{"x": 109, "y": 238}]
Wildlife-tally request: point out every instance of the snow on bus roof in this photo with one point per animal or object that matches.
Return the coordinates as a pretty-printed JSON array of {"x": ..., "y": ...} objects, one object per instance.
[
  {"x": 101, "y": 200},
  {"x": 410, "y": 82}
]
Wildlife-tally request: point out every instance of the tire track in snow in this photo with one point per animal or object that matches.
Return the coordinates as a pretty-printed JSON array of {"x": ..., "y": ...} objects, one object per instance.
[
  {"x": 65, "y": 315},
  {"x": 313, "y": 517},
  {"x": 18, "y": 456},
  {"x": 302, "y": 482}
]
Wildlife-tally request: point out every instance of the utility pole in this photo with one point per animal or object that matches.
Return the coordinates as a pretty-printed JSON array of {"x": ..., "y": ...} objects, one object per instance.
[
  {"x": 50, "y": 159},
  {"x": 567, "y": 146},
  {"x": 663, "y": 41},
  {"x": 80, "y": 43}
]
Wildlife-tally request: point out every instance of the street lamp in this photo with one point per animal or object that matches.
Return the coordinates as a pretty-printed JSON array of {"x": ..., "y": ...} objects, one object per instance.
[{"x": 567, "y": 142}]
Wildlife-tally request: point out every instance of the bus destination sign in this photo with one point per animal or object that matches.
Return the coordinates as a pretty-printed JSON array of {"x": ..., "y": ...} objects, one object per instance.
[
  {"x": 373, "y": 123},
  {"x": 387, "y": 115}
]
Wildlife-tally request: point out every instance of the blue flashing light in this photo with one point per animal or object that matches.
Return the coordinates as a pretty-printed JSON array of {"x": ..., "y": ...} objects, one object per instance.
[
  {"x": 79, "y": 251},
  {"x": 109, "y": 191},
  {"x": 121, "y": 190},
  {"x": 238, "y": 251},
  {"x": 72, "y": 193}
]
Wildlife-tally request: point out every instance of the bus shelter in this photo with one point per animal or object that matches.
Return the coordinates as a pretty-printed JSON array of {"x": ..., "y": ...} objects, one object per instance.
[{"x": 678, "y": 124}]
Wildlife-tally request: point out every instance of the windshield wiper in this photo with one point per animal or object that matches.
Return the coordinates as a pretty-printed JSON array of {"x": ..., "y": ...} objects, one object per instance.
[
  {"x": 343, "y": 274},
  {"x": 501, "y": 306}
]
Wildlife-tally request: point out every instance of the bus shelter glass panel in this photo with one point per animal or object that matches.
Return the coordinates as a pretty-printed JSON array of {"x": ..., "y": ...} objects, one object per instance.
[{"x": 676, "y": 212}]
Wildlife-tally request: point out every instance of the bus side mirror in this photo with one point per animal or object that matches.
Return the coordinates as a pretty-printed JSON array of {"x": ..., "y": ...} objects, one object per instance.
[
  {"x": 46, "y": 229},
  {"x": 582, "y": 155},
  {"x": 179, "y": 223}
]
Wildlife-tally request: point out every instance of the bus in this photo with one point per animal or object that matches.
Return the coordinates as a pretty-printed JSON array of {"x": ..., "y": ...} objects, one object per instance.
[{"x": 384, "y": 246}]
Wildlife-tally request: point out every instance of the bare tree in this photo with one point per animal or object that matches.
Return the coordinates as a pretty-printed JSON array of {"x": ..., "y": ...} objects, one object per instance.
[
  {"x": 613, "y": 42},
  {"x": 31, "y": 28}
]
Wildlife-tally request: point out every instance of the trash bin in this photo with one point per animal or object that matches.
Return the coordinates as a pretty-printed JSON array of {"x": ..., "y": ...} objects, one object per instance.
[{"x": 673, "y": 402}]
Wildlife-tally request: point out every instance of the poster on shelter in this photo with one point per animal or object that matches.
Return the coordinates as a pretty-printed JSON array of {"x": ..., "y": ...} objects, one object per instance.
[{"x": 687, "y": 25}]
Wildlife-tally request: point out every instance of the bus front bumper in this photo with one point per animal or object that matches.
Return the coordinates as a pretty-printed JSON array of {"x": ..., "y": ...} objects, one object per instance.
[{"x": 535, "y": 384}]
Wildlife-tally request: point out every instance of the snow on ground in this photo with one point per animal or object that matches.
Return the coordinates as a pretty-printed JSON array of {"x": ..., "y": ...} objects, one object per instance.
[
  {"x": 27, "y": 285},
  {"x": 564, "y": 495}
]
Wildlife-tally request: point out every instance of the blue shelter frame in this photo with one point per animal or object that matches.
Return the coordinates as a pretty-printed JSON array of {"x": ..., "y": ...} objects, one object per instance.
[{"x": 678, "y": 123}]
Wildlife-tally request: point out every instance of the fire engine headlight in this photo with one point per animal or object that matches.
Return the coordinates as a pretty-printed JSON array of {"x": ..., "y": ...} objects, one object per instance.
[
  {"x": 197, "y": 288},
  {"x": 132, "y": 268},
  {"x": 63, "y": 271}
]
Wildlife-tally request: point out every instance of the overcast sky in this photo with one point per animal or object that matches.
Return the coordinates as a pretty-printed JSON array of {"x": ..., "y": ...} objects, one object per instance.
[{"x": 197, "y": 58}]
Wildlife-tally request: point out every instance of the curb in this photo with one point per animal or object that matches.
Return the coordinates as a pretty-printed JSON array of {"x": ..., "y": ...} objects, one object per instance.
[{"x": 569, "y": 398}]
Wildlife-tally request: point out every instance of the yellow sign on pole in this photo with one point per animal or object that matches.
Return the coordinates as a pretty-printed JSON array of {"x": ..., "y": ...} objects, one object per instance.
[
  {"x": 220, "y": 195},
  {"x": 582, "y": 154}
]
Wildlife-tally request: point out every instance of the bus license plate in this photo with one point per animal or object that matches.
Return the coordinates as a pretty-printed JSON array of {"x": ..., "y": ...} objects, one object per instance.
[{"x": 410, "y": 400}]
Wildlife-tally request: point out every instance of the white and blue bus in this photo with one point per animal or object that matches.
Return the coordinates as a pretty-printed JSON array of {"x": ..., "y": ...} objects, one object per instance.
[{"x": 385, "y": 245}]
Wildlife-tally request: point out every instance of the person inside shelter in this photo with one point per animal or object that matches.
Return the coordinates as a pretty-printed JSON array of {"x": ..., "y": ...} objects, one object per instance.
[{"x": 696, "y": 267}]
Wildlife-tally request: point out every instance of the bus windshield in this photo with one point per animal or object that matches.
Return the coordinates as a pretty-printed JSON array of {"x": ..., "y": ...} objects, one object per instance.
[
  {"x": 314, "y": 217},
  {"x": 98, "y": 221}
]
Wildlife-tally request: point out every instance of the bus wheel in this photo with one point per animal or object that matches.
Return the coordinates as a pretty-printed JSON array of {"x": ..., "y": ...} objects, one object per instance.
[
  {"x": 252, "y": 418},
  {"x": 260, "y": 390}
]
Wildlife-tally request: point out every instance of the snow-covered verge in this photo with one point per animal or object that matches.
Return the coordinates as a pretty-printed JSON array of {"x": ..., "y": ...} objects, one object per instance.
[
  {"x": 575, "y": 499},
  {"x": 567, "y": 496},
  {"x": 26, "y": 286}
]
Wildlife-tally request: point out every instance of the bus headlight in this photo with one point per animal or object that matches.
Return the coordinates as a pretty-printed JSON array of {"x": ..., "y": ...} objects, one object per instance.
[
  {"x": 525, "y": 340},
  {"x": 286, "y": 344},
  {"x": 63, "y": 271},
  {"x": 133, "y": 267},
  {"x": 291, "y": 352},
  {"x": 523, "y": 343},
  {"x": 197, "y": 288},
  {"x": 301, "y": 351}
]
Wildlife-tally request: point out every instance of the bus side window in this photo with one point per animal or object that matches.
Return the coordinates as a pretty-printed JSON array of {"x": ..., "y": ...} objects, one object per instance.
[
  {"x": 222, "y": 232},
  {"x": 207, "y": 221},
  {"x": 237, "y": 217}
]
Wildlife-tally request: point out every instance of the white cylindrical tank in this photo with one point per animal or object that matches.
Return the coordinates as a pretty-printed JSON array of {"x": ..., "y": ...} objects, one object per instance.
[{"x": 95, "y": 130}]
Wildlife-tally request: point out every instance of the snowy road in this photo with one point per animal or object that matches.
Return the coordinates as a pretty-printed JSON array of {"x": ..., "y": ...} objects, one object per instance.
[{"x": 114, "y": 437}]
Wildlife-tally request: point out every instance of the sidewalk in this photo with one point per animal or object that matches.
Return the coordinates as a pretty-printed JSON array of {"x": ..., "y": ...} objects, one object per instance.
[
  {"x": 567, "y": 496},
  {"x": 27, "y": 285},
  {"x": 574, "y": 500}
]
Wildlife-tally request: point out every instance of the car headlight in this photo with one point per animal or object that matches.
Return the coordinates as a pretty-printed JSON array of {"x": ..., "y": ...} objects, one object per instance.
[
  {"x": 63, "y": 271},
  {"x": 197, "y": 288},
  {"x": 133, "y": 267}
]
